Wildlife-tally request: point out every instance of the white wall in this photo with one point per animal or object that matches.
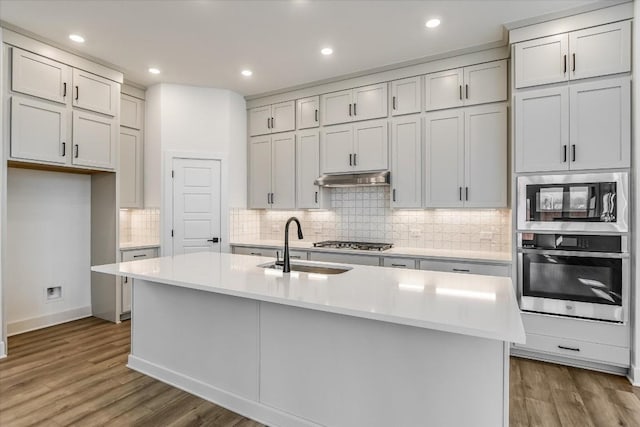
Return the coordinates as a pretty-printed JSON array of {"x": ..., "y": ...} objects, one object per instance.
[
  {"x": 48, "y": 244},
  {"x": 152, "y": 156}
]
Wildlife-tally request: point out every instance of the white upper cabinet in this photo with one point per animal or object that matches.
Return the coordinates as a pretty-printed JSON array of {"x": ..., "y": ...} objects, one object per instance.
[
  {"x": 308, "y": 195},
  {"x": 600, "y": 117},
  {"x": 46, "y": 142},
  {"x": 406, "y": 162},
  {"x": 485, "y": 156},
  {"x": 336, "y": 145},
  {"x": 542, "y": 130},
  {"x": 131, "y": 112},
  {"x": 95, "y": 93},
  {"x": 466, "y": 158},
  {"x": 600, "y": 51},
  {"x": 38, "y": 76},
  {"x": 542, "y": 61},
  {"x": 274, "y": 118},
  {"x": 591, "y": 52},
  {"x": 370, "y": 146},
  {"x": 405, "y": 96},
  {"x": 131, "y": 168},
  {"x": 477, "y": 84},
  {"x": 308, "y": 112},
  {"x": 444, "y": 172},
  {"x": 283, "y": 171},
  {"x": 355, "y": 148},
  {"x": 363, "y": 103},
  {"x": 272, "y": 171},
  {"x": 260, "y": 172},
  {"x": 94, "y": 140}
]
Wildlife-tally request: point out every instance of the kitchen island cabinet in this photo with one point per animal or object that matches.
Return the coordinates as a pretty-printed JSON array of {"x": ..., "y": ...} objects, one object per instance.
[{"x": 369, "y": 347}]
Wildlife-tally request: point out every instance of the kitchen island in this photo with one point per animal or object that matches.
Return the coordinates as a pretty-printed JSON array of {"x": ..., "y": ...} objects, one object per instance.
[{"x": 368, "y": 347}]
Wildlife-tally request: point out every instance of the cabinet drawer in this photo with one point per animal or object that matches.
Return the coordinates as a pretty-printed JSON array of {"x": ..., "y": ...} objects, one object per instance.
[
  {"x": 399, "y": 262},
  {"x": 255, "y": 251},
  {"x": 138, "y": 254},
  {"x": 577, "y": 349},
  {"x": 346, "y": 258},
  {"x": 468, "y": 268}
]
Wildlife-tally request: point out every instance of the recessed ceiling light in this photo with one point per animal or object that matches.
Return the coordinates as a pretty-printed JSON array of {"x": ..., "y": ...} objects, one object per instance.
[
  {"x": 246, "y": 73},
  {"x": 76, "y": 38},
  {"x": 326, "y": 51},
  {"x": 432, "y": 23},
  {"x": 154, "y": 71}
]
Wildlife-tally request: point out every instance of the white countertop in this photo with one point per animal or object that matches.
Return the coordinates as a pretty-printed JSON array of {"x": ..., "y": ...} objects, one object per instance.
[
  {"x": 445, "y": 254},
  {"x": 479, "y": 306},
  {"x": 126, "y": 246}
]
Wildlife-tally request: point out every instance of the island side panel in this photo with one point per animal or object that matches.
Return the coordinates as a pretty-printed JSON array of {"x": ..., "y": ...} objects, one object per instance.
[
  {"x": 206, "y": 337},
  {"x": 345, "y": 371}
]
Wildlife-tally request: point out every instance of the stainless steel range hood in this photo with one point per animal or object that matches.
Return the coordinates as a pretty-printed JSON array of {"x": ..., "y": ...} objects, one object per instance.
[{"x": 354, "y": 179}]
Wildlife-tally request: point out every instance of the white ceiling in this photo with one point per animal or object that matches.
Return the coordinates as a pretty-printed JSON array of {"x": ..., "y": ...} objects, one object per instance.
[{"x": 208, "y": 43}]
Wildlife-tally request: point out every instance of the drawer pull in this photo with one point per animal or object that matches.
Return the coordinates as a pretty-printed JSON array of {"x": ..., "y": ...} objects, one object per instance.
[
  {"x": 462, "y": 270},
  {"x": 255, "y": 253},
  {"x": 398, "y": 265},
  {"x": 140, "y": 256},
  {"x": 295, "y": 256},
  {"x": 562, "y": 347}
]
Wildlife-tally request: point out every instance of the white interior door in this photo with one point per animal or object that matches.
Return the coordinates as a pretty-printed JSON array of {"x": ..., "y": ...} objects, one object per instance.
[{"x": 196, "y": 206}]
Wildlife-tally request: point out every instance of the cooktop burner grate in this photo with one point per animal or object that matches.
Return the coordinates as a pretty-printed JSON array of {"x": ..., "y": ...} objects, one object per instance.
[{"x": 360, "y": 246}]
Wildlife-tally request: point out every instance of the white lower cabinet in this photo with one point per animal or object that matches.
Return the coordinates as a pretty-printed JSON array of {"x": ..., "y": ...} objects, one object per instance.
[
  {"x": 399, "y": 262},
  {"x": 466, "y": 157},
  {"x": 355, "y": 148},
  {"x": 94, "y": 140},
  {"x": 132, "y": 255},
  {"x": 48, "y": 141},
  {"x": 406, "y": 162},
  {"x": 272, "y": 172}
]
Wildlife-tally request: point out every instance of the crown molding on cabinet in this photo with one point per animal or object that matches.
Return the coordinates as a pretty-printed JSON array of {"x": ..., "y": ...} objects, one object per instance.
[
  {"x": 23, "y": 39},
  {"x": 558, "y": 23},
  {"x": 133, "y": 89},
  {"x": 445, "y": 61}
]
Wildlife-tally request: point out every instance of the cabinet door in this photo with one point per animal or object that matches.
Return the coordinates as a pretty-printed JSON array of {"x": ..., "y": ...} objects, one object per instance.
[
  {"x": 39, "y": 76},
  {"x": 405, "y": 96},
  {"x": 336, "y": 107},
  {"x": 443, "y": 90},
  {"x": 370, "y": 102},
  {"x": 283, "y": 116},
  {"x": 600, "y": 117},
  {"x": 599, "y": 51},
  {"x": 131, "y": 168},
  {"x": 336, "y": 149},
  {"x": 94, "y": 140},
  {"x": 283, "y": 171},
  {"x": 131, "y": 112},
  {"x": 406, "y": 163},
  {"x": 45, "y": 142},
  {"x": 444, "y": 146},
  {"x": 95, "y": 93},
  {"x": 484, "y": 83},
  {"x": 308, "y": 169},
  {"x": 126, "y": 294},
  {"x": 308, "y": 113},
  {"x": 485, "y": 153},
  {"x": 542, "y": 61},
  {"x": 260, "y": 120},
  {"x": 371, "y": 146},
  {"x": 260, "y": 172},
  {"x": 542, "y": 130}
]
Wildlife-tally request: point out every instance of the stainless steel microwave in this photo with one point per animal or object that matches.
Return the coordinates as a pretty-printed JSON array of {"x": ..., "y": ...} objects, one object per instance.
[{"x": 593, "y": 203}]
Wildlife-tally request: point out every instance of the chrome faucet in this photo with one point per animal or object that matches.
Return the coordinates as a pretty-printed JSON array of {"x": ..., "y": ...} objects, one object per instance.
[{"x": 286, "y": 266}]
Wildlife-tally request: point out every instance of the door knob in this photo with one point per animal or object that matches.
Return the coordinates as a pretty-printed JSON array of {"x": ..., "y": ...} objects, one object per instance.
[{"x": 213, "y": 240}]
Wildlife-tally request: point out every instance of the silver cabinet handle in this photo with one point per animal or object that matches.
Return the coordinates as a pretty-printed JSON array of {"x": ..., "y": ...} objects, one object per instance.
[
  {"x": 393, "y": 103},
  {"x": 562, "y": 347}
]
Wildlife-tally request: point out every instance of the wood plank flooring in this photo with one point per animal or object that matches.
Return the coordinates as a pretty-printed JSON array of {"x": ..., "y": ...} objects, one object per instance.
[{"x": 74, "y": 374}]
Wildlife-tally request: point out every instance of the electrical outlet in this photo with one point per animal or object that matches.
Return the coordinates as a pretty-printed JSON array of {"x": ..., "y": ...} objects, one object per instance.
[{"x": 53, "y": 293}]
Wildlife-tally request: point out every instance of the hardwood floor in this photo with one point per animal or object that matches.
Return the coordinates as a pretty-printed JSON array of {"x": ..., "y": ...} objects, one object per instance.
[{"x": 75, "y": 374}]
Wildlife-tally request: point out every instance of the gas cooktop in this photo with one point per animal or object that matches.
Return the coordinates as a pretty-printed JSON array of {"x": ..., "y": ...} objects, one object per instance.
[{"x": 360, "y": 246}]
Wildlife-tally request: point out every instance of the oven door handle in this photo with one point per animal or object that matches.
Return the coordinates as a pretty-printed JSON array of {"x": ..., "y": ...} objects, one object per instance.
[{"x": 574, "y": 253}]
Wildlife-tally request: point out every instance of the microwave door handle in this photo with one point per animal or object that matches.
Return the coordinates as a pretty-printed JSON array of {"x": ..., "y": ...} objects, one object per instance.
[{"x": 577, "y": 254}]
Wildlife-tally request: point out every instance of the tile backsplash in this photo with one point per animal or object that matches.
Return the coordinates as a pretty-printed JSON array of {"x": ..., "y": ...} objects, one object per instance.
[
  {"x": 139, "y": 225},
  {"x": 364, "y": 214}
]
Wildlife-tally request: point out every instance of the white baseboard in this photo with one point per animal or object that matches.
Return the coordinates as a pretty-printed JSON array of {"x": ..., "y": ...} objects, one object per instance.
[
  {"x": 40, "y": 322},
  {"x": 634, "y": 375},
  {"x": 576, "y": 363},
  {"x": 3, "y": 352},
  {"x": 246, "y": 407}
]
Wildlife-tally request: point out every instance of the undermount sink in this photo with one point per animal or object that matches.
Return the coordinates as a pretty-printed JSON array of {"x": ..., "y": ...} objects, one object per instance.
[{"x": 309, "y": 268}]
